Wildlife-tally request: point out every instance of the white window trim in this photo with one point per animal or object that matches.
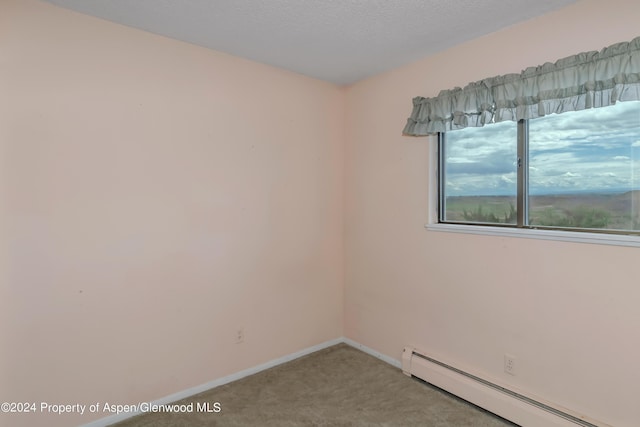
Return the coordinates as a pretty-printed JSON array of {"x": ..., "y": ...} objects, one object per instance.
[{"x": 528, "y": 233}]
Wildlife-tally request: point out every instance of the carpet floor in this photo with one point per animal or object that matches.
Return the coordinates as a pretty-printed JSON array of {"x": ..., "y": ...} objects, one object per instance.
[{"x": 336, "y": 387}]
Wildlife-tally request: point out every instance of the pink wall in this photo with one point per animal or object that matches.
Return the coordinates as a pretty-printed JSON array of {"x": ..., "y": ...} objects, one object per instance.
[
  {"x": 154, "y": 197},
  {"x": 568, "y": 311}
]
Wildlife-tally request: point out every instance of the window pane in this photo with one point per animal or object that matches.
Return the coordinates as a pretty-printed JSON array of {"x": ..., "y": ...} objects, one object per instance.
[
  {"x": 480, "y": 176},
  {"x": 584, "y": 168}
]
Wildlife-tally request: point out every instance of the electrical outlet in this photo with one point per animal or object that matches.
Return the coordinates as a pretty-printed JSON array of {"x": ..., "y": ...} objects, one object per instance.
[
  {"x": 239, "y": 335},
  {"x": 510, "y": 364}
]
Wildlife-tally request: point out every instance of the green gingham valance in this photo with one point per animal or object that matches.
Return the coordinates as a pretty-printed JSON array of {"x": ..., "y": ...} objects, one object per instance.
[{"x": 587, "y": 80}]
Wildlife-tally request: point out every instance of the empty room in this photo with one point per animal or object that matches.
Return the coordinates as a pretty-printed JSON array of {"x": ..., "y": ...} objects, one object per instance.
[{"x": 436, "y": 203}]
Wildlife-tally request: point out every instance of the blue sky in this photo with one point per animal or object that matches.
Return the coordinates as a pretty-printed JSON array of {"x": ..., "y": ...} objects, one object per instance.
[{"x": 596, "y": 150}]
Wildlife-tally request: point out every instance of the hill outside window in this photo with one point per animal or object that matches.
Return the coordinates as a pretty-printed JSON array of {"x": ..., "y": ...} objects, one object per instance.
[{"x": 577, "y": 171}]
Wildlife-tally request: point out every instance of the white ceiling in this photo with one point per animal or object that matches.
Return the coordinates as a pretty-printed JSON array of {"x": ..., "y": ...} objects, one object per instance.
[{"x": 341, "y": 41}]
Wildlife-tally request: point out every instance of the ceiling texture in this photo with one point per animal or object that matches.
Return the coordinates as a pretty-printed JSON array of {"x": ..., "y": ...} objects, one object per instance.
[{"x": 340, "y": 41}]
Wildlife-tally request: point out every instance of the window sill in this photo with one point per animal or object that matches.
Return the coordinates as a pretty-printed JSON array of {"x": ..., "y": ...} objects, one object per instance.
[{"x": 563, "y": 236}]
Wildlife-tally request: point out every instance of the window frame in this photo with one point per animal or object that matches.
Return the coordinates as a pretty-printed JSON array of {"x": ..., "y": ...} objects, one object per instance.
[{"x": 521, "y": 228}]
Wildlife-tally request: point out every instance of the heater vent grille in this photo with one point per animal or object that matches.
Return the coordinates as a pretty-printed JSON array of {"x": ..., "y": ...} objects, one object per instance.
[{"x": 514, "y": 406}]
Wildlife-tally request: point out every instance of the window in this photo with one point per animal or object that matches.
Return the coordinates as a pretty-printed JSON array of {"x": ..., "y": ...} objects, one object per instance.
[
  {"x": 555, "y": 148},
  {"x": 577, "y": 171}
]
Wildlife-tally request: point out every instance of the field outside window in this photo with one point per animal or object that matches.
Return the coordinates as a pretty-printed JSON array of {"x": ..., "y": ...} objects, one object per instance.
[{"x": 582, "y": 172}]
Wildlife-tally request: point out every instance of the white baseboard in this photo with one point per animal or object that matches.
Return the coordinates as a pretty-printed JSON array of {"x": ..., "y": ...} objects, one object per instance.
[
  {"x": 372, "y": 352},
  {"x": 103, "y": 422}
]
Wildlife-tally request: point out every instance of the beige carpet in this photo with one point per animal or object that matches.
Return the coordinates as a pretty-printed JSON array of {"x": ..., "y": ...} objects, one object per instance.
[{"x": 337, "y": 386}]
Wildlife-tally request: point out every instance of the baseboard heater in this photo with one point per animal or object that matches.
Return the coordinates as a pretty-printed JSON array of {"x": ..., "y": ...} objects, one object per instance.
[{"x": 514, "y": 406}]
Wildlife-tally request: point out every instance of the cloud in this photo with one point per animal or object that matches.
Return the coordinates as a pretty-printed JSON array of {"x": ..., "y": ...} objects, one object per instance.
[
  {"x": 590, "y": 150},
  {"x": 459, "y": 160}
]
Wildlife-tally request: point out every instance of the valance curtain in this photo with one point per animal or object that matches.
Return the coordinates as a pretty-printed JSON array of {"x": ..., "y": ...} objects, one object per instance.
[{"x": 587, "y": 80}]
